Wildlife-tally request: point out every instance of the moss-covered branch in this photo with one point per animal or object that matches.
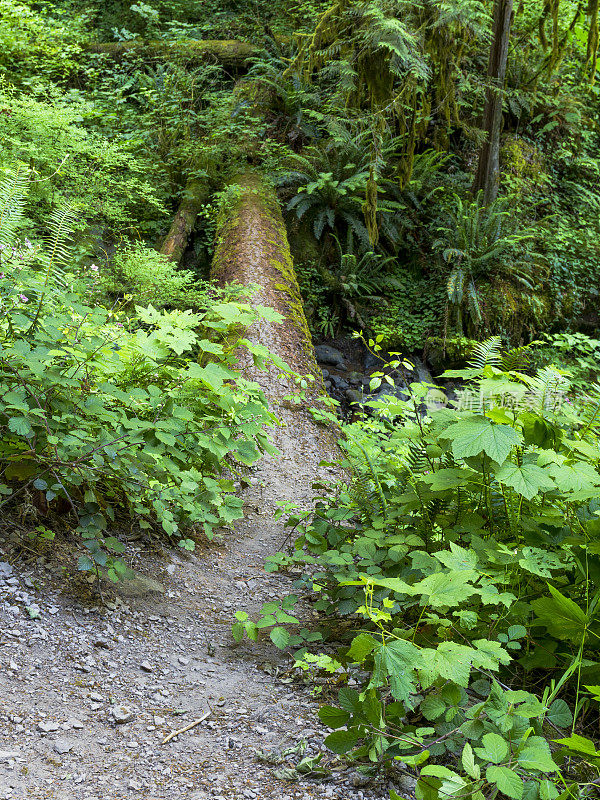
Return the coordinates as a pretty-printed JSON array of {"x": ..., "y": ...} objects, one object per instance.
[{"x": 229, "y": 53}]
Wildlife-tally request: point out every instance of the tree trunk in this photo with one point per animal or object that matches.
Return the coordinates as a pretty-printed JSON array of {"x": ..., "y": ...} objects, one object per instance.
[
  {"x": 252, "y": 249},
  {"x": 228, "y": 53},
  {"x": 488, "y": 169},
  {"x": 183, "y": 222}
]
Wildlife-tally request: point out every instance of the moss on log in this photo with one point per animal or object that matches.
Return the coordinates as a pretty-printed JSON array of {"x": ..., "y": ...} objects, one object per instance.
[
  {"x": 252, "y": 248},
  {"x": 183, "y": 222},
  {"x": 229, "y": 53}
]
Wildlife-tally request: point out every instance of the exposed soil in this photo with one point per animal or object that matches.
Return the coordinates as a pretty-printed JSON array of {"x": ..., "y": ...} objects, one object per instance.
[{"x": 165, "y": 659}]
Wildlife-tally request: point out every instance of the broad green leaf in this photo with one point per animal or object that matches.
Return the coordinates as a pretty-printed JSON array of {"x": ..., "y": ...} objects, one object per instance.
[
  {"x": 446, "y": 589},
  {"x": 333, "y": 717},
  {"x": 507, "y": 781},
  {"x": 527, "y": 480},
  {"x": 537, "y": 757},
  {"x": 361, "y": 646},
  {"x": 447, "y": 478},
  {"x": 539, "y": 562},
  {"x": 562, "y": 617},
  {"x": 342, "y": 741},
  {"x": 559, "y": 714},
  {"x": 280, "y": 637},
  {"x": 471, "y": 437},
  {"x": 495, "y": 748},
  {"x": 432, "y": 707},
  {"x": 458, "y": 558}
]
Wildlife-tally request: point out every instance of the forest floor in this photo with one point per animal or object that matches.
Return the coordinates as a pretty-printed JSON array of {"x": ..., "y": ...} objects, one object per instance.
[
  {"x": 162, "y": 660},
  {"x": 88, "y": 692}
]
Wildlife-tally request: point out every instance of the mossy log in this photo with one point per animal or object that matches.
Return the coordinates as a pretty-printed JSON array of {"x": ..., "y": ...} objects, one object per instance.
[
  {"x": 183, "y": 222},
  {"x": 252, "y": 249},
  {"x": 228, "y": 53}
]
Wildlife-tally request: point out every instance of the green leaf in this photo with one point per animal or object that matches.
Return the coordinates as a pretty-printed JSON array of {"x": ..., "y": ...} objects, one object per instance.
[
  {"x": 548, "y": 790},
  {"x": 432, "y": 707},
  {"x": 342, "y": 741},
  {"x": 537, "y": 756},
  {"x": 333, "y": 717},
  {"x": 507, "y": 781},
  {"x": 468, "y": 761},
  {"x": 445, "y": 589},
  {"x": 20, "y": 426},
  {"x": 361, "y": 646},
  {"x": 559, "y": 714},
  {"x": 458, "y": 558},
  {"x": 527, "y": 480},
  {"x": 495, "y": 748},
  {"x": 280, "y": 637},
  {"x": 579, "y": 744},
  {"x": 561, "y": 616},
  {"x": 85, "y": 563},
  {"x": 471, "y": 437}
]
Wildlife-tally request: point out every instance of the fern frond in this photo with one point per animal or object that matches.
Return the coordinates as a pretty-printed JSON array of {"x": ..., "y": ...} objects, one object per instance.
[
  {"x": 58, "y": 242},
  {"x": 13, "y": 196},
  {"x": 518, "y": 359},
  {"x": 487, "y": 353}
]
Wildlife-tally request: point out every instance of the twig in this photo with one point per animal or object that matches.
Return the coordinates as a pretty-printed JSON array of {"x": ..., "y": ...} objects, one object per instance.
[{"x": 187, "y": 727}]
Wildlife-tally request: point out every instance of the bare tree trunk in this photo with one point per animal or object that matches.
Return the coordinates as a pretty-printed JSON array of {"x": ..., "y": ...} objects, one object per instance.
[{"x": 488, "y": 169}]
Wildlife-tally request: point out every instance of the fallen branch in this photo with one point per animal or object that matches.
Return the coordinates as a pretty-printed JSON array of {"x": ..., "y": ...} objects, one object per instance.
[
  {"x": 229, "y": 53},
  {"x": 187, "y": 727}
]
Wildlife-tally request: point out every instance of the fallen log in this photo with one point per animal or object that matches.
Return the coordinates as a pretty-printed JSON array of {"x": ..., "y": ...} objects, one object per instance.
[
  {"x": 195, "y": 194},
  {"x": 252, "y": 248},
  {"x": 228, "y": 53}
]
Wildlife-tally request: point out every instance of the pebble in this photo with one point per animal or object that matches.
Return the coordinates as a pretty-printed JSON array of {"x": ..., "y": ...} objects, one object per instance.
[
  {"x": 48, "y": 727},
  {"x": 8, "y": 755},
  {"x": 61, "y": 746},
  {"x": 146, "y": 666},
  {"x": 122, "y": 714}
]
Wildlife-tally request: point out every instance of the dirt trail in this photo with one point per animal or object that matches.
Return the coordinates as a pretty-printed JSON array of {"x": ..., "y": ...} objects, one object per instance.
[{"x": 163, "y": 658}]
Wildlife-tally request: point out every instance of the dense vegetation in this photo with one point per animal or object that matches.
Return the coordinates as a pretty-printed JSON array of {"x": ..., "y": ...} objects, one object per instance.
[{"x": 438, "y": 164}]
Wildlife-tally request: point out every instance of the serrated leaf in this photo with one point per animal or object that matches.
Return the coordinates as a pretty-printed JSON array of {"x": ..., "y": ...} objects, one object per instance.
[
  {"x": 432, "y": 707},
  {"x": 537, "y": 757},
  {"x": 561, "y": 616},
  {"x": 445, "y": 589},
  {"x": 527, "y": 480},
  {"x": 333, "y": 717},
  {"x": 507, "y": 781},
  {"x": 280, "y": 637},
  {"x": 361, "y": 646},
  {"x": 471, "y": 437},
  {"x": 468, "y": 761},
  {"x": 495, "y": 748},
  {"x": 342, "y": 741},
  {"x": 559, "y": 714}
]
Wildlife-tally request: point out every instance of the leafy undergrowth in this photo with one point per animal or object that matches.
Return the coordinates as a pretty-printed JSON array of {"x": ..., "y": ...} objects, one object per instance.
[
  {"x": 463, "y": 559},
  {"x": 111, "y": 418}
]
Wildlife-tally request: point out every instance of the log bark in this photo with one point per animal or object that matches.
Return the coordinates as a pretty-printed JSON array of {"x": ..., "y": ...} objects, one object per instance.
[
  {"x": 252, "y": 248},
  {"x": 228, "y": 53},
  {"x": 176, "y": 240},
  {"x": 488, "y": 168}
]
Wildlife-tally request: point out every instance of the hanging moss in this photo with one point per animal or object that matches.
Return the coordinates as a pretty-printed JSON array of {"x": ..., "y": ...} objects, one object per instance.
[
  {"x": 592, "y": 42},
  {"x": 370, "y": 208}
]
